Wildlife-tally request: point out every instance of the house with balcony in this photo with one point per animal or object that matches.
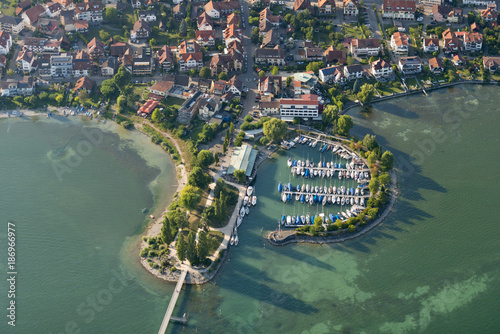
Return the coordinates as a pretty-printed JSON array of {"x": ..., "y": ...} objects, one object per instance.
[
  {"x": 473, "y": 41},
  {"x": 165, "y": 58},
  {"x": 12, "y": 87},
  {"x": 84, "y": 84},
  {"x": 353, "y": 72},
  {"x": 10, "y": 24},
  {"x": 205, "y": 22},
  {"x": 274, "y": 56},
  {"x": 5, "y": 42},
  {"x": 410, "y": 65},
  {"x": 307, "y": 107},
  {"x": 25, "y": 61},
  {"x": 205, "y": 37},
  {"x": 333, "y": 56},
  {"x": 399, "y": 9},
  {"x": 350, "y": 7},
  {"x": 332, "y": 74},
  {"x": 326, "y": 7},
  {"x": 141, "y": 30},
  {"x": 96, "y": 49},
  {"x": 190, "y": 56},
  {"x": 61, "y": 66},
  {"x": 450, "y": 41},
  {"x": 399, "y": 44},
  {"x": 81, "y": 64},
  {"x": 364, "y": 47},
  {"x": 109, "y": 66},
  {"x": 147, "y": 15},
  {"x": 90, "y": 11},
  {"x": 228, "y": 62},
  {"x": 431, "y": 44},
  {"x": 270, "y": 85},
  {"x": 381, "y": 69},
  {"x": 489, "y": 15},
  {"x": 450, "y": 14},
  {"x": 302, "y": 5},
  {"x": 491, "y": 64},
  {"x": 436, "y": 65}
]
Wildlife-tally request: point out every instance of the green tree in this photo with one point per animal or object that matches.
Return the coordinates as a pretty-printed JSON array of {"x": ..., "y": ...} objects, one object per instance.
[
  {"x": 318, "y": 222},
  {"x": 202, "y": 246},
  {"x": 374, "y": 185},
  {"x": 108, "y": 88},
  {"x": 205, "y": 158},
  {"x": 254, "y": 37},
  {"x": 198, "y": 178},
  {"x": 262, "y": 74},
  {"x": 366, "y": 94},
  {"x": 83, "y": 96},
  {"x": 152, "y": 42},
  {"x": 59, "y": 98},
  {"x": 275, "y": 129},
  {"x": 248, "y": 118},
  {"x": 355, "y": 87},
  {"x": 191, "y": 254},
  {"x": 121, "y": 103},
  {"x": 183, "y": 28},
  {"x": 122, "y": 78},
  {"x": 274, "y": 70},
  {"x": 315, "y": 66},
  {"x": 372, "y": 158},
  {"x": 166, "y": 232},
  {"x": 205, "y": 72},
  {"x": 231, "y": 128},
  {"x": 110, "y": 15},
  {"x": 223, "y": 76},
  {"x": 216, "y": 158},
  {"x": 190, "y": 197},
  {"x": 349, "y": 60},
  {"x": 330, "y": 115},
  {"x": 344, "y": 124},
  {"x": 387, "y": 161},
  {"x": 181, "y": 247},
  {"x": 384, "y": 179},
  {"x": 156, "y": 115},
  {"x": 452, "y": 76},
  {"x": 239, "y": 174},
  {"x": 10, "y": 72},
  {"x": 289, "y": 81},
  {"x": 369, "y": 142},
  {"x": 104, "y": 35}
]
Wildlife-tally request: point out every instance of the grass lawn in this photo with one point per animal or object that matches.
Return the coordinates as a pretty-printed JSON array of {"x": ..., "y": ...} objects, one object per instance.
[
  {"x": 412, "y": 83},
  {"x": 141, "y": 90},
  {"x": 388, "y": 89},
  {"x": 495, "y": 76},
  {"x": 214, "y": 240},
  {"x": 353, "y": 31},
  {"x": 7, "y": 9},
  {"x": 174, "y": 102}
]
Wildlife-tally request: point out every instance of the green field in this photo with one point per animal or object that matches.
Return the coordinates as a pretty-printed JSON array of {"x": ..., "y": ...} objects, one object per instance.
[{"x": 174, "y": 102}]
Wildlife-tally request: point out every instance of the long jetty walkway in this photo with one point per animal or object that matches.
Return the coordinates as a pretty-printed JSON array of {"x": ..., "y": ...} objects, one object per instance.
[{"x": 173, "y": 301}]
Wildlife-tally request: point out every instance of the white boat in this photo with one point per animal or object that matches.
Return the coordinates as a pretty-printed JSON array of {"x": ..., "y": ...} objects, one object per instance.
[
  {"x": 297, "y": 197},
  {"x": 245, "y": 201},
  {"x": 288, "y": 220},
  {"x": 340, "y": 175},
  {"x": 239, "y": 220},
  {"x": 356, "y": 192},
  {"x": 344, "y": 215},
  {"x": 289, "y": 162},
  {"x": 250, "y": 191},
  {"x": 315, "y": 172},
  {"x": 283, "y": 197},
  {"x": 342, "y": 201},
  {"x": 325, "y": 189},
  {"x": 316, "y": 189},
  {"x": 299, "y": 163},
  {"x": 254, "y": 200},
  {"x": 325, "y": 199},
  {"x": 347, "y": 201},
  {"x": 323, "y": 173},
  {"x": 362, "y": 192},
  {"x": 247, "y": 210},
  {"x": 308, "y": 188},
  {"x": 338, "y": 199},
  {"x": 231, "y": 241},
  {"x": 303, "y": 163},
  {"x": 236, "y": 240},
  {"x": 362, "y": 201},
  {"x": 242, "y": 212},
  {"x": 302, "y": 172},
  {"x": 328, "y": 173}
]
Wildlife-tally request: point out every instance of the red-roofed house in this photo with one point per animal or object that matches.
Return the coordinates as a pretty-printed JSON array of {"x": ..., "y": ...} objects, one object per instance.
[
  {"x": 489, "y": 14},
  {"x": 399, "y": 44},
  {"x": 326, "y": 7},
  {"x": 368, "y": 46},
  {"x": 308, "y": 107},
  {"x": 205, "y": 22},
  {"x": 147, "y": 108},
  {"x": 473, "y": 41},
  {"x": 190, "y": 56},
  {"x": 302, "y": 5},
  {"x": 5, "y": 42},
  {"x": 205, "y": 37},
  {"x": 84, "y": 83},
  {"x": 436, "y": 65},
  {"x": 381, "y": 68},
  {"x": 165, "y": 58},
  {"x": 33, "y": 14},
  {"x": 399, "y": 9},
  {"x": 350, "y": 7},
  {"x": 333, "y": 56}
]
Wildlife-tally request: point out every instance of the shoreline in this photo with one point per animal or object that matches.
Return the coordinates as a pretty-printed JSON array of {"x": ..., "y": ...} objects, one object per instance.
[{"x": 341, "y": 237}]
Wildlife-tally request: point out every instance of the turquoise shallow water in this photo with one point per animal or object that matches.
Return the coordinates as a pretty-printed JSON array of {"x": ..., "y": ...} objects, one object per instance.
[{"x": 433, "y": 266}]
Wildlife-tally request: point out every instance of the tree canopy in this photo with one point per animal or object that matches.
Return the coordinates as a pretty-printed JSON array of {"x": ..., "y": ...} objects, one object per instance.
[
  {"x": 275, "y": 129},
  {"x": 315, "y": 66},
  {"x": 387, "y": 161},
  {"x": 344, "y": 124},
  {"x": 190, "y": 197},
  {"x": 108, "y": 88},
  {"x": 366, "y": 94},
  {"x": 198, "y": 178},
  {"x": 205, "y": 72},
  {"x": 239, "y": 174},
  {"x": 205, "y": 158},
  {"x": 122, "y": 78},
  {"x": 181, "y": 247}
]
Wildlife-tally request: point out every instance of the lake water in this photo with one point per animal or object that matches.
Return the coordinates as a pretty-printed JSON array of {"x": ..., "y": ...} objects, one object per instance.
[{"x": 433, "y": 266}]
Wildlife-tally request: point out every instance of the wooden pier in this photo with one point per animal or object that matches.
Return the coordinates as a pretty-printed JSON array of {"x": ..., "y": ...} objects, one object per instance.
[{"x": 168, "y": 315}]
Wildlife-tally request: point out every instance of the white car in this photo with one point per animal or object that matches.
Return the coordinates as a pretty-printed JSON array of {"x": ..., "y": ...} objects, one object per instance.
[{"x": 420, "y": 19}]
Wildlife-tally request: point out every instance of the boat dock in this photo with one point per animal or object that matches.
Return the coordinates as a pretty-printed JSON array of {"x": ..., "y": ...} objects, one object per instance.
[{"x": 168, "y": 315}]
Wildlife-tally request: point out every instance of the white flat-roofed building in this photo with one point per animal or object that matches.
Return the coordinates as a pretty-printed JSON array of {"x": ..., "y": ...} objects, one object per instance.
[{"x": 307, "y": 108}]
